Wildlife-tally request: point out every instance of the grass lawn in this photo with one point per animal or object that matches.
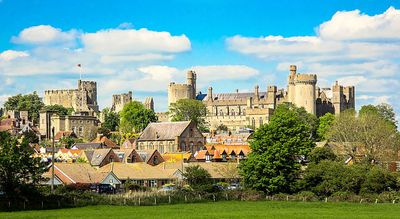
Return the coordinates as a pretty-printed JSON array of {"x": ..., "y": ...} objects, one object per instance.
[{"x": 227, "y": 209}]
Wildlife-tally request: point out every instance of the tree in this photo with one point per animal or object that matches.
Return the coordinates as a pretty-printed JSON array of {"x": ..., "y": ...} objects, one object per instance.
[
  {"x": 135, "y": 117},
  {"x": 189, "y": 110},
  {"x": 31, "y": 137},
  {"x": 319, "y": 154},
  {"x": 368, "y": 134},
  {"x": 325, "y": 122},
  {"x": 30, "y": 102},
  {"x": 60, "y": 110},
  {"x": 273, "y": 164},
  {"x": 384, "y": 110},
  {"x": 17, "y": 167},
  {"x": 196, "y": 176},
  {"x": 111, "y": 120}
]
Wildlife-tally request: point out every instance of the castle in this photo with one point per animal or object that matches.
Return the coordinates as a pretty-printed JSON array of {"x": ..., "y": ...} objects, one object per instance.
[
  {"x": 82, "y": 99},
  {"x": 239, "y": 110},
  {"x": 119, "y": 101}
]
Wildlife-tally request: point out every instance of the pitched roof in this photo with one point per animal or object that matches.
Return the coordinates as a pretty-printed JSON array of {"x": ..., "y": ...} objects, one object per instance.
[
  {"x": 105, "y": 141},
  {"x": 99, "y": 155},
  {"x": 61, "y": 134},
  {"x": 71, "y": 173},
  {"x": 163, "y": 130},
  {"x": 139, "y": 171},
  {"x": 88, "y": 146}
]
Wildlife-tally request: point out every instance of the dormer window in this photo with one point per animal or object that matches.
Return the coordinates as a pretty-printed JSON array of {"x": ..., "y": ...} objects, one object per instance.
[
  {"x": 208, "y": 157},
  {"x": 224, "y": 157}
]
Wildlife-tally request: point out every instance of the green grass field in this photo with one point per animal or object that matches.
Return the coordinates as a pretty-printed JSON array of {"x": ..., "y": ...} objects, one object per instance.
[{"x": 231, "y": 209}]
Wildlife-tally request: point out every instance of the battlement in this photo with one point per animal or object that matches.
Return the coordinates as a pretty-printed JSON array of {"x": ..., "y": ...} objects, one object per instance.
[
  {"x": 306, "y": 78},
  {"x": 179, "y": 86},
  {"x": 48, "y": 92}
]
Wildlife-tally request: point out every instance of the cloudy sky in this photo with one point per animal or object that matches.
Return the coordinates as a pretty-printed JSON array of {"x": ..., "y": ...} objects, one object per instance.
[{"x": 143, "y": 45}]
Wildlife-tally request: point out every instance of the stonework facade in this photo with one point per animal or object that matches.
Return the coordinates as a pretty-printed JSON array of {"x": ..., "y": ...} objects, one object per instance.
[
  {"x": 82, "y": 99},
  {"x": 119, "y": 101},
  {"x": 253, "y": 109},
  {"x": 84, "y": 126}
]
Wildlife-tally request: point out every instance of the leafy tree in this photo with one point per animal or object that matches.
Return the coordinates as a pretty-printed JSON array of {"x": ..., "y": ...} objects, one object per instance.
[
  {"x": 321, "y": 153},
  {"x": 104, "y": 131},
  {"x": 222, "y": 128},
  {"x": 273, "y": 164},
  {"x": 29, "y": 102},
  {"x": 67, "y": 142},
  {"x": 135, "y": 117},
  {"x": 310, "y": 119},
  {"x": 369, "y": 134},
  {"x": 30, "y": 137},
  {"x": 188, "y": 109},
  {"x": 378, "y": 180},
  {"x": 325, "y": 122},
  {"x": 384, "y": 110},
  {"x": 196, "y": 176},
  {"x": 60, "y": 110},
  {"x": 17, "y": 167},
  {"x": 111, "y": 120}
]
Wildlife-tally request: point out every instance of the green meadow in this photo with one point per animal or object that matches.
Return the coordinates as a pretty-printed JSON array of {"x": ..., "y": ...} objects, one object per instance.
[{"x": 226, "y": 209}]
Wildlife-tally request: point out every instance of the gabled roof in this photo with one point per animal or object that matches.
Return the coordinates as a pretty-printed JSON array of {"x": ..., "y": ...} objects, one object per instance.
[
  {"x": 163, "y": 130},
  {"x": 99, "y": 155},
  {"x": 61, "y": 134},
  {"x": 105, "y": 141},
  {"x": 139, "y": 171},
  {"x": 146, "y": 155}
]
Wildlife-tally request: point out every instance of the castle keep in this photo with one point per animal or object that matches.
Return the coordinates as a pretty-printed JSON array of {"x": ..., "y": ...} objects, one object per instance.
[
  {"x": 239, "y": 110},
  {"x": 82, "y": 99}
]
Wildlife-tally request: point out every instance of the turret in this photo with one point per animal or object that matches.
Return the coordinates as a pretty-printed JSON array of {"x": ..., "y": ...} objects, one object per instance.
[
  {"x": 191, "y": 80},
  {"x": 256, "y": 93},
  {"x": 291, "y": 85},
  {"x": 210, "y": 94}
]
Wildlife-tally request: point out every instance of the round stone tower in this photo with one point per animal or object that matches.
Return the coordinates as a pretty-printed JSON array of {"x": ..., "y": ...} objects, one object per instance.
[
  {"x": 291, "y": 86},
  {"x": 305, "y": 95}
]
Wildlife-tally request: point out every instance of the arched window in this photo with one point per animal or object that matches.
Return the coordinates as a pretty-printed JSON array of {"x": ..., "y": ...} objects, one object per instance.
[
  {"x": 161, "y": 148},
  {"x": 261, "y": 121},
  {"x": 171, "y": 147},
  {"x": 111, "y": 159},
  {"x": 141, "y": 147},
  {"x": 183, "y": 146},
  {"x": 192, "y": 147},
  {"x": 151, "y": 146},
  {"x": 221, "y": 113}
]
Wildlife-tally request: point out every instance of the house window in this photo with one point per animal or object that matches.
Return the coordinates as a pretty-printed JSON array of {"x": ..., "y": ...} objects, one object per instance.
[
  {"x": 183, "y": 146},
  {"x": 208, "y": 158},
  {"x": 133, "y": 158},
  {"x": 241, "y": 156},
  {"x": 153, "y": 183},
  {"x": 151, "y": 146},
  {"x": 111, "y": 159},
  {"x": 161, "y": 148},
  {"x": 233, "y": 156},
  {"x": 155, "y": 160},
  {"x": 261, "y": 121},
  {"x": 224, "y": 157},
  {"x": 141, "y": 146},
  {"x": 192, "y": 147}
]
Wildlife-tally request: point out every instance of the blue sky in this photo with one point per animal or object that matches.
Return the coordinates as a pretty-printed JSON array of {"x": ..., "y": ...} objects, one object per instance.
[{"x": 143, "y": 45}]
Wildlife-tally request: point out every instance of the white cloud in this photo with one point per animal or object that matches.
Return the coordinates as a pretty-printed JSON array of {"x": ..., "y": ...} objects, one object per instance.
[
  {"x": 352, "y": 25},
  {"x": 371, "y": 85},
  {"x": 45, "y": 34},
  {"x": 131, "y": 41},
  {"x": 9, "y": 55}
]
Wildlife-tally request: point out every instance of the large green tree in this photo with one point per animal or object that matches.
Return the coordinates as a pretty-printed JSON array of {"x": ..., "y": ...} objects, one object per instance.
[
  {"x": 367, "y": 134},
  {"x": 384, "y": 110},
  {"x": 29, "y": 102},
  {"x": 111, "y": 119},
  {"x": 189, "y": 109},
  {"x": 135, "y": 117},
  {"x": 273, "y": 165},
  {"x": 60, "y": 110},
  {"x": 196, "y": 176},
  {"x": 17, "y": 167},
  {"x": 325, "y": 122}
]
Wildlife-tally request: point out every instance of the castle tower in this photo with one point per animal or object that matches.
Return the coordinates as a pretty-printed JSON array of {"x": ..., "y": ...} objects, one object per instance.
[
  {"x": 149, "y": 103},
  {"x": 305, "y": 92},
  {"x": 291, "y": 85},
  {"x": 349, "y": 93},
  {"x": 256, "y": 93},
  {"x": 210, "y": 94},
  {"x": 191, "y": 80},
  {"x": 337, "y": 100},
  {"x": 271, "y": 94},
  {"x": 119, "y": 101}
]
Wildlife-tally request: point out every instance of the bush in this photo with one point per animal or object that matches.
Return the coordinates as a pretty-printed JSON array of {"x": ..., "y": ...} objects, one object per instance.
[{"x": 378, "y": 180}]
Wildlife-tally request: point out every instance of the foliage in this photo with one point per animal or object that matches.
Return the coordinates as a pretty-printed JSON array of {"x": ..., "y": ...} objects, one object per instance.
[
  {"x": 272, "y": 166},
  {"x": 29, "y": 102},
  {"x": 368, "y": 134},
  {"x": 60, "y": 110},
  {"x": 384, "y": 110},
  {"x": 104, "y": 131},
  {"x": 378, "y": 180},
  {"x": 135, "y": 117},
  {"x": 111, "y": 120},
  {"x": 222, "y": 128},
  {"x": 310, "y": 119},
  {"x": 189, "y": 110},
  {"x": 17, "y": 167},
  {"x": 325, "y": 122},
  {"x": 67, "y": 142},
  {"x": 319, "y": 154},
  {"x": 30, "y": 137},
  {"x": 196, "y": 176}
]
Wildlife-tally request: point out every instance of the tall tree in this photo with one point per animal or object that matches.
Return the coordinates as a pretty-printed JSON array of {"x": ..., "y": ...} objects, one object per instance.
[
  {"x": 135, "y": 117},
  {"x": 196, "y": 176},
  {"x": 29, "y": 102},
  {"x": 17, "y": 167},
  {"x": 325, "y": 122},
  {"x": 188, "y": 109},
  {"x": 111, "y": 119},
  {"x": 273, "y": 164},
  {"x": 60, "y": 110},
  {"x": 384, "y": 110},
  {"x": 369, "y": 134}
]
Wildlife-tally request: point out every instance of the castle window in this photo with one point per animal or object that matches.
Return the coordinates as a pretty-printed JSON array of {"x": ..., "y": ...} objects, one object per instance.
[
  {"x": 261, "y": 121},
  {"x": 221, "y": 113}
]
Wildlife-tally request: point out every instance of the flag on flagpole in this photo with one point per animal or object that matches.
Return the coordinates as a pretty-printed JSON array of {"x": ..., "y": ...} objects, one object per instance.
[{"x": 80, "y": 71}]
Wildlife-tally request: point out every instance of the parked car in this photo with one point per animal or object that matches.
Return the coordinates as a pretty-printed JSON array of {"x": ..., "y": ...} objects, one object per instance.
[
  {"x": 167, "y": 188},
  {"x": 233, "y": 186}
]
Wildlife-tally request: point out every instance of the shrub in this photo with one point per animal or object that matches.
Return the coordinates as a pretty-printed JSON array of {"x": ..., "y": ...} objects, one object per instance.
[{"x": 378, "y": 180}]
